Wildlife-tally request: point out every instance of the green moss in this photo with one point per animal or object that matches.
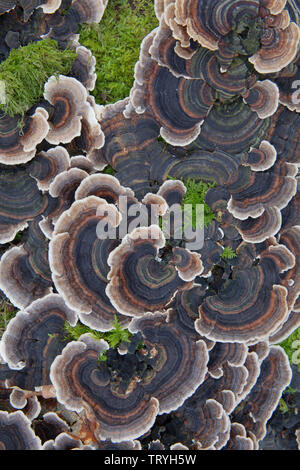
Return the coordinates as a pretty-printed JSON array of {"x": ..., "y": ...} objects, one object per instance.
[
  {"x": 228, "y": 253},
  {"x": 115, "y": 43},
  {"x": 27, "y": 69},
  {"x": 289, "y": 345},
  {"x": 7, "y": 312},
  {"x": 109, "y": 170},
  {"x": 114, "y": 337},
  {"x": 195, "y": 195}
]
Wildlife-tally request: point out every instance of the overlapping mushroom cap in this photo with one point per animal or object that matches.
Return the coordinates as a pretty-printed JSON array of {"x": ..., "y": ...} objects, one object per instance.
[
  {"x": 33, "y": 339},
  {"x": 124, "y": 402}
]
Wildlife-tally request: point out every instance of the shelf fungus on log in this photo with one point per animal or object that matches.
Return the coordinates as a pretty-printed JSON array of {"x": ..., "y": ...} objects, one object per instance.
[
  {"x": 126, "y": 409},
  {"x": 274, "y": 188},
  {"x": 48, "y": 164},
  {"x": 233, "y": 128},
  {"x": 263, "y": 98}
]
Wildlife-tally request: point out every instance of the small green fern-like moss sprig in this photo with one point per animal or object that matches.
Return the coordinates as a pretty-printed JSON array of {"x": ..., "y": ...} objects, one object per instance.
[
  {"x": 113, "y": 337},
  {"x": 195, "y": 195},
  {"x": 228, "y": 253}
]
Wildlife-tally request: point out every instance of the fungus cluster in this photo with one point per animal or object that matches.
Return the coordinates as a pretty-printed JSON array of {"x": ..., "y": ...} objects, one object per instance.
[{"x": 211, "y": 109}]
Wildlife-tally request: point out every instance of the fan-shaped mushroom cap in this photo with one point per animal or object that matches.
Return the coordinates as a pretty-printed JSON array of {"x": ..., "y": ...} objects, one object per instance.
[
  {"x": 47, "y": 165},
  {"x": 33, "y": 339},
  {"x": 69, "y": 98},
  {"x": 187, "y": 263},
  {"x": 91, "y": 137},
  {"x": 103, "y": 186},
  {"x": 257, "y": 230},
  {"x": 20, "y": 201},
  {"x": 78, "y": 260},
  {"x": 254, "y": 302},
  {"x": 50, "y": 6},
  {"x": 29, "y": 403},
  {"x": 279, "y": 48},
  {"x": 16, "y": 432},
  {"x": 128, "y": 143},
  {"x": 263, "y": 98},
  {"x": 138, "y": 282},
  {"x": 178, "y": 361},
  {"x": 83, "y": 67},
  {"x": 81, "y": 383},
  {"x": 263, "y": 158},
  {"x": 184, "y": 312},
  {"x": 233, "y": 128},
  {"x": 223, "y": 353},
  {"x": 89, "y": 11},
  {"x": 275, "y": 376},
  {"x": 273, "y": 189},
  {"x": 20, "y": 148},
  {"x": 238, "y": 439},
  {"x": 24, "y": 270},
  {"x": 207, "y": 22},
  {"x": 170, "y": 99},
  {"x": 49, "y": 426}
]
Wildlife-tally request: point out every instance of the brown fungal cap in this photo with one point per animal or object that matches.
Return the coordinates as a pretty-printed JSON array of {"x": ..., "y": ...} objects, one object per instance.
[
  {"x": 178, "y": 361},
  {"x": 187, "y": 263},
  {"x": 262, "y": 400},
  {"x": 279, "y": 48},
  {"x": 46, "y": 165},
  {"x": 263, "y": 158},
  {"x": 78, "y": 260},
  {"x": 82, "y": 383},
  {"x": 138, "y": 281},
  {"x": 169, "y": 98},
  {"x": 16, "y": 148},
  {"x": 263, "y": 98},
  {"x": 68, "y": 97},
  {"x": 257, "y": 290},
  {"x": 33, "y": 338},
  {"x": 24, "y": 270}
]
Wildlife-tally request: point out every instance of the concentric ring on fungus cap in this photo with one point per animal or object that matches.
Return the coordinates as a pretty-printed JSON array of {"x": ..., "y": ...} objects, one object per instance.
[
  {"x": 78, "y": 261},
  {"x": 138, "y": 281},
  {"x": 16, "y": 147},
  {"x": 16, "y": 432},
  {"x": 252, "y": 305},
  {"x": 179, "y": 105},
  {"x": 82, "y": 383},
  {"x": 69, "y": 100},
  {"x": 32, "y": 340}
]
